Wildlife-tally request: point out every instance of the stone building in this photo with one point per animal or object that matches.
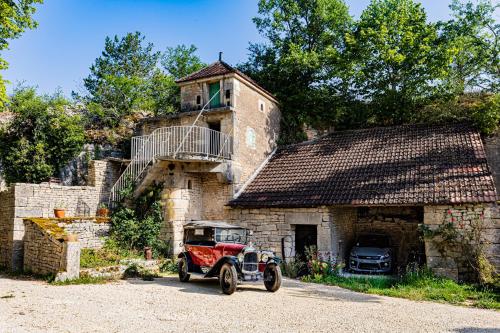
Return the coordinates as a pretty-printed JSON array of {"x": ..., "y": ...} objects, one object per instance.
[{"x": 217, "y": 160}]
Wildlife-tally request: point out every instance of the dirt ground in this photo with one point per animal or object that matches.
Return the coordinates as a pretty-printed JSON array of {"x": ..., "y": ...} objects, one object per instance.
[{"x": 166, "y": 305}]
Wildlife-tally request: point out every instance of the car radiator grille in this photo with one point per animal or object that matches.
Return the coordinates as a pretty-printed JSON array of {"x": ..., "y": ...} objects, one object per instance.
[{"x": 250, "y": 262}]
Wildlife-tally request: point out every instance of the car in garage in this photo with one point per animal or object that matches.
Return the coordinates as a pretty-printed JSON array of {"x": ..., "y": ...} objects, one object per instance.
[
  {"x": 216, "y": 249},
  {"x": 372, "y": 253}
]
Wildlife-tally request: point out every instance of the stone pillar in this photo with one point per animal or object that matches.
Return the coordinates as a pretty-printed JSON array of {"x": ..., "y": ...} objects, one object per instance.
[{"x": 70, "y": 261}]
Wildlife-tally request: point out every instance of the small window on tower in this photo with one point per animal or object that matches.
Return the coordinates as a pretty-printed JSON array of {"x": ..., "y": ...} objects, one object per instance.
[
  {"x": 198, "y": 99},
  {"x": 228, "y": 93},
  {"x": 190, "y": 184},
  {"x": 262, "y": 105}
]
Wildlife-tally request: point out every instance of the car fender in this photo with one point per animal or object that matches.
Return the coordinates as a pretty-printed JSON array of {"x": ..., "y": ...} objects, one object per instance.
[
  {"x": 215, "y": 270},
  {"x": 188, "y": 259}
]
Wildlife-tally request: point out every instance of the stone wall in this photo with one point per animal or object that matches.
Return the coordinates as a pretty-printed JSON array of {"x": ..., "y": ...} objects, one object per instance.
[
  {"x": 452, "y": 262},
  {"x": 272, "y": 225},
  {"x": 103, "y": 174},
  {"x": 39, "y": 200},
  {"x": 47, "y": 250},
  {"x": 91, "y": 232}
]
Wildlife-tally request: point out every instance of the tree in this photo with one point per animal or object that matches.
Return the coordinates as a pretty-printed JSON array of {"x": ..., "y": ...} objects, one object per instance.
[
  {"x": 119, "y": 79},
  {"x": 302, "y": 60},
  {"x": 473, "y": 35},
  {"x": 41, "y": 139},
  {"x": 181, "y": 61},
  {"x": 399, "y": 60},
  {"x": 15, "y": 18}
]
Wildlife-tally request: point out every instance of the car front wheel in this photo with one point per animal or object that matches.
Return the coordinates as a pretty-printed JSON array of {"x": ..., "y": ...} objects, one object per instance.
[
  {"x": 183, "y": 270},
  {"x": 228, "y": 279},
  {"x": 272, "y": 277}
]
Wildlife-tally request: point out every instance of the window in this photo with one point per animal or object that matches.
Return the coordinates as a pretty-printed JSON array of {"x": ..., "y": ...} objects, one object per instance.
[
  {"x": 228, "y": 93},
  {"x": 251, "y": 138},
  {"x": 198, "y": 99},
  {"x": 262, "y": 106},
  {"x": 190, "y": 184}
]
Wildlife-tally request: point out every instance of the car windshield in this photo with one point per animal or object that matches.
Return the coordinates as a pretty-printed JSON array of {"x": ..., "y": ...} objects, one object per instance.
[
  {"x": 380, "y": 241},
  {"x": 231, "y": 235}
]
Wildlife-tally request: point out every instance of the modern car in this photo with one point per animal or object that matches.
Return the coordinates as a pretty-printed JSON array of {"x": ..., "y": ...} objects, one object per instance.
[
  {"x": 216, "y": 249},
  {"x": 372, "y": 253}
]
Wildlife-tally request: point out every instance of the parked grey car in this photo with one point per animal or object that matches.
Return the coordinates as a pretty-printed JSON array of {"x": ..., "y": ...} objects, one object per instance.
[{"x": 372, "y": 253}]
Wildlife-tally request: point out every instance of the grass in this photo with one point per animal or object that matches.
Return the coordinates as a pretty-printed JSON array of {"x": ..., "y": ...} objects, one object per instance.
[
  {"x": 82, "y": 280},
  {"x": 109, "y": 255},
  {"x": 419, "y": 286}
]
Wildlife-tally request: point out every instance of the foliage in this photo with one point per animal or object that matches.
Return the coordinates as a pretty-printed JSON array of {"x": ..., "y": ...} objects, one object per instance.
[
  {"x": 419, "y": 285},
  {"x": 169, "y": 266},
  {"x": 181, "y": 61},
  {"x": 138, "y": 271},
  {"x": 109, "y": 255},
  {"x": 452, "y": 237},
  {"x": 139, "y": 226},
  {"x": 389, "y": 67},
  {"x": 82, "y": 280},
  {"x": 305, "y": 41},
  {"x": 15, "y": 18},
  {"x": 473, "y": 37},
  {"x": 42, "y": 137},
  {"x": 292, "y": 267}
]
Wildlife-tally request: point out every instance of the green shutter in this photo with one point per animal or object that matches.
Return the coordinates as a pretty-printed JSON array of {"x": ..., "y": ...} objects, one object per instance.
[{"x": 214, "y": 89}]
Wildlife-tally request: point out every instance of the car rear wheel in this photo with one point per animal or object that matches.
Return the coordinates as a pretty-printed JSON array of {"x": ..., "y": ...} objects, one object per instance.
[
  {"x": 228, "y": 279},
  {"x": 272, "y": 277},
  {"x": 183, "y": 270}
]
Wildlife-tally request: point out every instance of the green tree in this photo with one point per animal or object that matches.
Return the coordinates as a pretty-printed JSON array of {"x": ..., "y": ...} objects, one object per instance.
[
  {"x": 41, "y": 139},
  {"x": 120, "y": 78},
  {"x": 15, "y": 18},
  {"x": 176, "y": 62},
  {"x": 302, "y": 59},
  {"x": 473, "y": 35},
  {"x": 399, "y": 60}
]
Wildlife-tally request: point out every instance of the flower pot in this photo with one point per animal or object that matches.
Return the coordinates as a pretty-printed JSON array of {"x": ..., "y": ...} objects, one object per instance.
[
  {"x": 148, "y": 253},
  {"x": 102, "y": 212},
  {"x": 59, "y": 213}
]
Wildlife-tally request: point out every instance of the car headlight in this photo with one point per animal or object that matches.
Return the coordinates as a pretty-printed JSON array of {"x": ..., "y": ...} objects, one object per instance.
[
  {"x": 241, "y": 256},
  {"x": 264, "y": 257}
]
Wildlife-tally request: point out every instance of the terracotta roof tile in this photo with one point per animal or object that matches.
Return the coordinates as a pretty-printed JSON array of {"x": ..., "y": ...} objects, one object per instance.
[{"x": 402, "y": 165}]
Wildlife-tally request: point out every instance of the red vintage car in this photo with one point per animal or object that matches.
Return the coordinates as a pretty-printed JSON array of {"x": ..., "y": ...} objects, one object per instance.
[{"x": 218, "y": 249}]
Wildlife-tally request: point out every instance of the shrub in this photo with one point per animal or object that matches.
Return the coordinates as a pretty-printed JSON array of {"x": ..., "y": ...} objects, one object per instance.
[{"x": 41, "y": 139}]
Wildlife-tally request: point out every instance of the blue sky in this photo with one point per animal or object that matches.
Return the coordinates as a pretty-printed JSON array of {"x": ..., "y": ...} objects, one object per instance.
[{"x": 71, "y": 34}]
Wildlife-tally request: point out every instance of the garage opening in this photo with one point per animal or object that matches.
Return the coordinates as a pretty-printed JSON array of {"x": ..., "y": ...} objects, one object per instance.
[
  {"x": 396, "y": 228},
  {"x": 305, "y": 236}
]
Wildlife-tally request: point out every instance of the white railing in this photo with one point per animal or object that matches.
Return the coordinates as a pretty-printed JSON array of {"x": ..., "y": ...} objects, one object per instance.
[{"x": 176, "y": 142}]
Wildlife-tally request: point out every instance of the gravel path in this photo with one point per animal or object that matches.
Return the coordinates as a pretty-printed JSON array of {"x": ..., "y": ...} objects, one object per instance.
[{"x": 166, "y": 305}]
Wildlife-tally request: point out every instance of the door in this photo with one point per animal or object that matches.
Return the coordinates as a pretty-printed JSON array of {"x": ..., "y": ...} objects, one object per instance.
[
  {"x": 305, "y": 236},
  {"x": 214, "y": 139},
  {"x": 213, "y": 89}
]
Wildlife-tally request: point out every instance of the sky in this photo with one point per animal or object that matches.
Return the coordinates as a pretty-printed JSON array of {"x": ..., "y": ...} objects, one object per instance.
[{"x": 71, "y": 33}]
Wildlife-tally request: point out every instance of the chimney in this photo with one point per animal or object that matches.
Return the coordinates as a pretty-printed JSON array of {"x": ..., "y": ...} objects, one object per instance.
[{"x": 220, "y": 56}]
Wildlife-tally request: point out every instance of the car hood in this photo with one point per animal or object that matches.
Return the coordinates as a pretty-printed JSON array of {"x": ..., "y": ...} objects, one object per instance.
[{"x": 370, "y": 251}]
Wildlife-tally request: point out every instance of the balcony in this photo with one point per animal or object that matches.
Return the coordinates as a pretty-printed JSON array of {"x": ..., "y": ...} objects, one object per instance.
[{"x": 183, "y": 143}]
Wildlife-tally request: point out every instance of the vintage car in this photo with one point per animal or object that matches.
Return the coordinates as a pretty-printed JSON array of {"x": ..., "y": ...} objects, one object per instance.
[{"x": 218, "y": 249}]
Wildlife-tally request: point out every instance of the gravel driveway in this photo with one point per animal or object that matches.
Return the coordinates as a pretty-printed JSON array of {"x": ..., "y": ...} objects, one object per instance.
[{"x": 166, "y": 305}]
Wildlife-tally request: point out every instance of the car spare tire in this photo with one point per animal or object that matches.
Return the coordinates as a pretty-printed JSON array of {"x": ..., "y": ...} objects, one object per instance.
[
  {"x": 272, "y": 277},
  {"x": 228, "y": 279}
]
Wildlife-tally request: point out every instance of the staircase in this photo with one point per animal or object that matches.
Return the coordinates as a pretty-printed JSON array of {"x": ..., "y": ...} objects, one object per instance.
[{"x": 178, "y": 143}]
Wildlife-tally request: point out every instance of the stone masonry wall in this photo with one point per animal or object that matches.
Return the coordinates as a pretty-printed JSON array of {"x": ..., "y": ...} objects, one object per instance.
[
  {"x": 92, "y": 233},
  {"x": 48, "y": 250},
  {"x": 271, "y": 225},
  {"x": 492, "y": 149},
  {"x": 39, "y": 200},
  {"x": 7, "y": 213},
  {"x": 103, "y": 174},
  {"x": 452, "y": 263}
]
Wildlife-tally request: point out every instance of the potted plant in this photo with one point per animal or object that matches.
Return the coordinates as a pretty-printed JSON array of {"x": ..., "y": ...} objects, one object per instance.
[
  {"x": 60, "y": 210},
  {"x": 102, "y": 210},
  {"x": 148, "y": 253}
]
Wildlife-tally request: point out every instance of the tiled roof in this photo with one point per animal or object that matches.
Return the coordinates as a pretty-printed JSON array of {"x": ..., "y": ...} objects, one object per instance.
[
  {"x": 216, "y": 69},
  {"x": 402, "y": 165}
]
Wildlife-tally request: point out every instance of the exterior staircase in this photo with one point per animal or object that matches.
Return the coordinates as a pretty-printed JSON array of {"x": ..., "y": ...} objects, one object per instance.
[{"x": 175, "y": 143}]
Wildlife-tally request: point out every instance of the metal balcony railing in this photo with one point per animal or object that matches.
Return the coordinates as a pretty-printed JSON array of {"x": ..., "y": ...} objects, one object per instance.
[{"x": 176, "y": 142}]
